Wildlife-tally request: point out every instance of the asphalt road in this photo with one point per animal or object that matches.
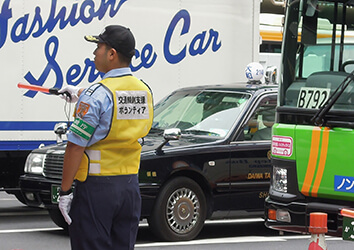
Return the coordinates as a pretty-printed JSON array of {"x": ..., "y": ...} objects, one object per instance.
[{"x": 25, "y": 228}]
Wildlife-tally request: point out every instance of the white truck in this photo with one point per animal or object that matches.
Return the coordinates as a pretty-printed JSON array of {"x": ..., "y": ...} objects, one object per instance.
[{"x": 178, "y": 43}]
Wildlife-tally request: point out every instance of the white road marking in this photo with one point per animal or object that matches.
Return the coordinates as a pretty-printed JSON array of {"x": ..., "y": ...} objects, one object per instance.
[
  {"x": 229, "y": 240},
  {"x": 209, "y": 241},
  {"x": 24, "y": 213},
  {"x": 226, "y": 221},
  {"x": 232, "y": 240},
  {"x": 29, "y": 230}
]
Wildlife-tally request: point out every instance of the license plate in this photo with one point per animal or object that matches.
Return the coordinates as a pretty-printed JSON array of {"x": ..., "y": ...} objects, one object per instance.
[
  {"x": 348, "y": 228},
  {"x": 312, "y": 98},
  {"x": 55, "y": 194}
]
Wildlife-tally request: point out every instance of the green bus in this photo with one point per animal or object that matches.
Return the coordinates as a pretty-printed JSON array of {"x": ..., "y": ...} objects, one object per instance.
[{"x": 313, "y": 137}]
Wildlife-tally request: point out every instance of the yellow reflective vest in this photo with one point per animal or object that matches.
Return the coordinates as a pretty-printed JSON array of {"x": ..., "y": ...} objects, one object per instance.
[{"x": 119, "y": 152}]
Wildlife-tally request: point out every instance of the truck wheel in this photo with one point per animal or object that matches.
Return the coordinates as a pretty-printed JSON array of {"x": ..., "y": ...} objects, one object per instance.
[
  {"x": 180, "y": 210},
  {"x": 58, "y": 218}
]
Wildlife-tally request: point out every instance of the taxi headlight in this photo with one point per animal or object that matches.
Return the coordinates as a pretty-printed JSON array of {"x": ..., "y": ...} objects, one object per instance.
[
  {"x": 280, "y": 179},
  {"x": 34, "y": 163}
]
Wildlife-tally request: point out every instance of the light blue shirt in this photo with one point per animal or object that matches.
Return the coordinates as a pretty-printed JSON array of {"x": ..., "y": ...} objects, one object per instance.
[{"x": 100, "y": 111}]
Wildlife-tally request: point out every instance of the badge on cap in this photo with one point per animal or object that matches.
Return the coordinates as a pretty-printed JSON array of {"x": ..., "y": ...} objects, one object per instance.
[{"x": 92, "y": 39}]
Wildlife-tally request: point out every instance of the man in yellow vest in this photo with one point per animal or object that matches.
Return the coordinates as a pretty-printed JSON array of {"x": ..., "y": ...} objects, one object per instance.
[{"x": 102, "y": 156}]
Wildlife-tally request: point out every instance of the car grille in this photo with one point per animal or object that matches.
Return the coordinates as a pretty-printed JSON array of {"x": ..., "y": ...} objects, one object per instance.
[{"x": 53, "y": 166}]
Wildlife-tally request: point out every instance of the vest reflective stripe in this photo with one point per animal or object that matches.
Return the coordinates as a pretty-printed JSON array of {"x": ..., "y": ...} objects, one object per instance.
[
  {"x": 94, "y": 155},
  {"x": 94, "y": 168},
  {"x": 119, "y": 152}
]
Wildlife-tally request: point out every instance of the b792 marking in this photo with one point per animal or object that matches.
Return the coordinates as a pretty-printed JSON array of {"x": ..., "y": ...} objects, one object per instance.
[{"x": 312, "y": 98}]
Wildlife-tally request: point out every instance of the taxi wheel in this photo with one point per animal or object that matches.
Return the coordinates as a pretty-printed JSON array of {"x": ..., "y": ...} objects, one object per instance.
[
  {"x": 58, "y": 218},
  {"x": 180, "y": 210}
]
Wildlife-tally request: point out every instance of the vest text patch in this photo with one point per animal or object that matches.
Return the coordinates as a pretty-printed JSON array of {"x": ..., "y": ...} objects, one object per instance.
[{"x": 132, "y": 105}]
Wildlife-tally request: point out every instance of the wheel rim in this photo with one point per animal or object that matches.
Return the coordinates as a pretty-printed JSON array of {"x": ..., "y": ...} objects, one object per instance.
[{"x": 183, "y": 210}]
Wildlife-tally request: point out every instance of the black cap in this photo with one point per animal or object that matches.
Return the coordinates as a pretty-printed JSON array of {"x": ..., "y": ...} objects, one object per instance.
[{"x": 118, "y": 37}]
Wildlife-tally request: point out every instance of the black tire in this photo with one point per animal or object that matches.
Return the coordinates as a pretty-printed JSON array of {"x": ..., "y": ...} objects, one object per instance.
[
  {"x": 180, "y": 210},
  {"x": 58, "y": 218}
]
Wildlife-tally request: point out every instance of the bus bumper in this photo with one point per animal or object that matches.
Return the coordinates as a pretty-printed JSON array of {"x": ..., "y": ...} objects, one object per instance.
[{"x": 295, "y": 216}]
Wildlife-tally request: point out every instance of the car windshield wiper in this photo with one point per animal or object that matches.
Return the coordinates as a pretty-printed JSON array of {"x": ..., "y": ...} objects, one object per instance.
[
  {"x": 156, "y": 130},
  {"x": 199, "y": 132},
  {"x": 318, "y": 118}
]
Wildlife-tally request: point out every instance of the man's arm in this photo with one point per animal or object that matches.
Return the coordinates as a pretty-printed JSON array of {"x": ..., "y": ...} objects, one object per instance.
[{"x": 72, "y": 160}]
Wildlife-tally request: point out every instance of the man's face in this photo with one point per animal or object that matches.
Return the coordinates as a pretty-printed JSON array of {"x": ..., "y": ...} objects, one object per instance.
[{"x": 102, "y": 57}]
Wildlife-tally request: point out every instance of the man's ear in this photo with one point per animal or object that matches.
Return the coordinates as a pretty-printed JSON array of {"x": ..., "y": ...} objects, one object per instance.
[{"x": 112, "y": 53}]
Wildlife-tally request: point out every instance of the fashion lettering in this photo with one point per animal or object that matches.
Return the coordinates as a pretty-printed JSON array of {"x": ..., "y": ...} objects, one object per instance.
[{"x": 25, "y": 26}]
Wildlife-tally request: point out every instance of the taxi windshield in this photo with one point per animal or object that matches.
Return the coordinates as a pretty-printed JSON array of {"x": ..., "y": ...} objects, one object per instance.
[{"x": 198, "y": 112}]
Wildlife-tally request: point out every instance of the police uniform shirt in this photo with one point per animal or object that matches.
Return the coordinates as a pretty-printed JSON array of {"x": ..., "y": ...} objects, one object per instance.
[{"x": 95, "y": 106}]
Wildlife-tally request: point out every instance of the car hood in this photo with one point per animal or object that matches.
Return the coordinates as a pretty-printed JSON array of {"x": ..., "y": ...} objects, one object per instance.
[{"x": 150, "y": 143}]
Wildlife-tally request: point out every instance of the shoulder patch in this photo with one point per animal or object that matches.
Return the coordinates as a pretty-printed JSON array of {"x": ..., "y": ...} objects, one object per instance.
[{"x": 82, "y": 109}]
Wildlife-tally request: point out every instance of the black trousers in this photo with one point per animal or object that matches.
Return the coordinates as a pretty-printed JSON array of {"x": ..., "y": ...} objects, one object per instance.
[{"x": 105, "y": 213}]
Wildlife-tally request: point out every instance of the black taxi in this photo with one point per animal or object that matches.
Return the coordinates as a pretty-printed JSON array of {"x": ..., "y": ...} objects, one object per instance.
[{"x": 206, "y": 157}]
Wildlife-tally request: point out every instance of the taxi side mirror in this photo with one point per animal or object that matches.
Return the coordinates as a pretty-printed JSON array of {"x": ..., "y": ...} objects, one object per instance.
[{"x": 169, "y": 134}]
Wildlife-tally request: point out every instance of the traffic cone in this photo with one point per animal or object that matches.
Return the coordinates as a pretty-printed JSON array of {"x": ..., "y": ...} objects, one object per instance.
[{"x": 318, "y": 228}]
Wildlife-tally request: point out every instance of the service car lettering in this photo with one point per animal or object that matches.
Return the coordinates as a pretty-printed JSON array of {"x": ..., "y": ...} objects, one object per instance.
[
  {"x": 196, "y": 45},
  {"x": 18, "y": 29}
]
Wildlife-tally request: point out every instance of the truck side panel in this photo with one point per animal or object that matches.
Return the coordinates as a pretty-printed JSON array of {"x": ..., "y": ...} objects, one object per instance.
[{"x": 179, "y": 43}]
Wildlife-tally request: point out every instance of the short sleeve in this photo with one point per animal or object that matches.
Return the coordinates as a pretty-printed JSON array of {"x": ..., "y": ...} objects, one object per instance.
[{"x": 93, "y": 114}]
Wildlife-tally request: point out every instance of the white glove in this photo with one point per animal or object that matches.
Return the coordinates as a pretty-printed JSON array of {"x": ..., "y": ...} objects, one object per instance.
[
  {"x": 65, "y": 205},
  {"x": 72, "y": 90}
]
